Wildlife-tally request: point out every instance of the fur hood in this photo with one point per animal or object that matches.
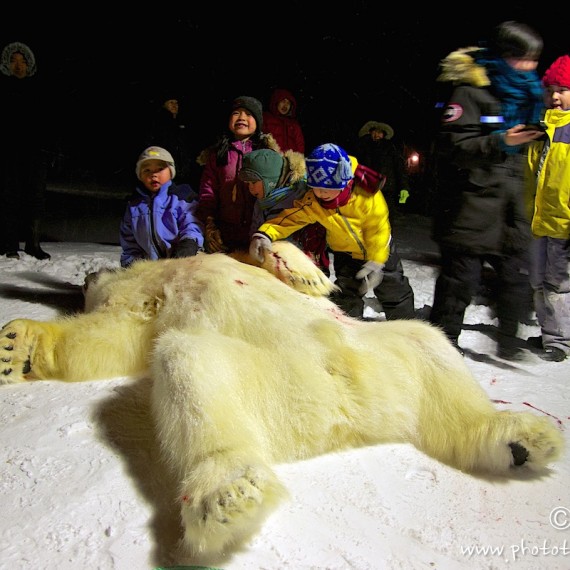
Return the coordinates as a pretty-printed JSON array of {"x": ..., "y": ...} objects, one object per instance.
[
  {"x": 297, "y": 169},
  {"x": 10, "y": 50},
  {"x": 460, "y": 67},
  {"x": 277, "y": 96}
]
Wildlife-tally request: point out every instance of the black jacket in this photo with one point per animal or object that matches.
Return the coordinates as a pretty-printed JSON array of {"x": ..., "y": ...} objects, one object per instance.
[{"x": 479, "y": 197}]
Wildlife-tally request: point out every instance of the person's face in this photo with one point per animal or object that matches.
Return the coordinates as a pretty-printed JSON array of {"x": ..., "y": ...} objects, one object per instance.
[
  {"x": 325, "y": 194},
  {"x": 18, "y": 65},
  {"x": 242, "y": 123},
  {"x": 171, "y": 105},
  {"x": 284, "y": 106},
  {"x": 522, "y": 63},
  {"x": 557, "y": 97},
  {"x": 154, "y": 173},
  {"x": 256, "y": 188},
  {"x": 376, "y": 134}
]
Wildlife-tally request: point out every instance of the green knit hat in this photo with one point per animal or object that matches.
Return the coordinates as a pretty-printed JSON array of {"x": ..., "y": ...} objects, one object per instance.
[{"x": 263, "y": 164}]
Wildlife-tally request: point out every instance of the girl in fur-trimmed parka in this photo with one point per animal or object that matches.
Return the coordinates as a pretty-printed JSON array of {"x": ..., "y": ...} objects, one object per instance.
[
  {"x": 480, "y": 214},
  {"x": 358, "y": 232},
  {"x": 225, "y": 205}
]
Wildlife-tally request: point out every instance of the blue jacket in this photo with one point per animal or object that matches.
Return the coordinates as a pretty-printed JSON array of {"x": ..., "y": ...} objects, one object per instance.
[{"x": 154, "y": 225}]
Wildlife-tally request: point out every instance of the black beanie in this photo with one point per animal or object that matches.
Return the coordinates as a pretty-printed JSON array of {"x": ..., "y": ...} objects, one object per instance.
[{"x": 253, "y": 105}]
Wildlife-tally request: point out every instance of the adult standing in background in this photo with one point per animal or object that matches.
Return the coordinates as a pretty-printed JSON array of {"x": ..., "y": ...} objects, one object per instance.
[
  {"x": 280, "y": 119},
  {"x": 377, "y": 150},
  {"x": 481, "y": 147},
  {"x": 169, "y": 128},
  {"x": 24, "y": 151}
]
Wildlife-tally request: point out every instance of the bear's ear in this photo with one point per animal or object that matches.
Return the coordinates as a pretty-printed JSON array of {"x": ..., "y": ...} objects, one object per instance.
[{"x": 293, "y": 267}]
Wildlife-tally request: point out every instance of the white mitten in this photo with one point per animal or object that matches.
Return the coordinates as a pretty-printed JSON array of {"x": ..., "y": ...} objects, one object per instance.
[
  {"x": 258, "y": 245},
  {"x": 372, "y": 274}
]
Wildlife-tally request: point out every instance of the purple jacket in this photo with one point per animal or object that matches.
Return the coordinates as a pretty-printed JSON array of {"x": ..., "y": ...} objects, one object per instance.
[{"x": 154, "y": 225}]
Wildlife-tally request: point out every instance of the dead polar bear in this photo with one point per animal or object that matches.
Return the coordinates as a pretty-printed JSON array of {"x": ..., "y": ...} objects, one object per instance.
[{"x": 248, "y": 372}]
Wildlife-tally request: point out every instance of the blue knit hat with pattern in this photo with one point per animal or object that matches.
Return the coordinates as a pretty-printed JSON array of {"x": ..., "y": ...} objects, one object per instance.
[{"x": 329, "y": 167}]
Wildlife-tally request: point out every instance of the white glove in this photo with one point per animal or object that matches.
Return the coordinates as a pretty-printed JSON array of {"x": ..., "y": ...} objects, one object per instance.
[
  {"x": 372, "y": 274},
  {"x": 258, "y": 245}
]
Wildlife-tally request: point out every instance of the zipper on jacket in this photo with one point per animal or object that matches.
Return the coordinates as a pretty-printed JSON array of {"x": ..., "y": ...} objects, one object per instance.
[
  {"x": 154, "y": 237},
  {"x": 353, "y": 233}
]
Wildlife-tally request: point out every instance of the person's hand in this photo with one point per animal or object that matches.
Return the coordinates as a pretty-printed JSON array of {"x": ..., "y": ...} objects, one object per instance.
[
  {"x": 519, "y": 134},
  {"x": 213, "y": 238},
  {"x": 404, "y": 195},
  {"x": 258, "y": 246},
  {"x": 371, "y": 274}
]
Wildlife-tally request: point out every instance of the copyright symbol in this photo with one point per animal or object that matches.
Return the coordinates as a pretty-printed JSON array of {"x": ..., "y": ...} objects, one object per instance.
[{"x": 560, "y": 518}]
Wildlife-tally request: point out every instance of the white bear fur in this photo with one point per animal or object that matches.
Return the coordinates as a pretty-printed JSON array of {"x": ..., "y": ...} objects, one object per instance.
[{"x": 249, "y": 372}]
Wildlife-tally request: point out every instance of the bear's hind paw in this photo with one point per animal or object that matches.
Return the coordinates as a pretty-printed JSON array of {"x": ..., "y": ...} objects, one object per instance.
[
  {"x": 537, "y": 443},
  {"x": 232, "y": 513},
  {"x": 520, "y": 453}
]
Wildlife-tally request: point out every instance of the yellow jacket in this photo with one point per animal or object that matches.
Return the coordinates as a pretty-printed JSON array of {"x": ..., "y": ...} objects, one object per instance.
[
  {"x": 548, "y": 179},
  {"x": 360, "y": 227}
]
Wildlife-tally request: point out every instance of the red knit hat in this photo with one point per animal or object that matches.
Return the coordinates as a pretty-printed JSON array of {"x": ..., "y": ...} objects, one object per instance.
[{"x": 558, "y": 73}]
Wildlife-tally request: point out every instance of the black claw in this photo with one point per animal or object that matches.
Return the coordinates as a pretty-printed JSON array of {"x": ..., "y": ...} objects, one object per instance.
[
  {"x": 9, "y": 347},
  {"x": 11, "y": 335},
  {"x": 7, "y": 371},
  {"x": 27, "y": 367},
  {"x": 5, "y": 359},
  {"x": 520, "y": 453}
]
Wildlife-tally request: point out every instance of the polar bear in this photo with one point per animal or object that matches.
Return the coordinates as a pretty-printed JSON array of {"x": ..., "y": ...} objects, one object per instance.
[{"x": 249, "y": 371}]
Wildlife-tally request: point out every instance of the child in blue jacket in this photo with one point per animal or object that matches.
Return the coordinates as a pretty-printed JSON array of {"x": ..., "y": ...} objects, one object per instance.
[{"x": 160, "y": 220}]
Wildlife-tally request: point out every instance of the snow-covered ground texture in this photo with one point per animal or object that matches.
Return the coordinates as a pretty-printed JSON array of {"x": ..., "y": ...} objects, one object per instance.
[{"x": 81, "y": 485}]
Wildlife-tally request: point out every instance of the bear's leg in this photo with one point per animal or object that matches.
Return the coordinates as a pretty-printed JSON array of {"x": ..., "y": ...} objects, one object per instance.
[
  {"x": 458, "y": 424},
  {"x": 84, "y": 347},
  {"x": 212, "y": 435}
]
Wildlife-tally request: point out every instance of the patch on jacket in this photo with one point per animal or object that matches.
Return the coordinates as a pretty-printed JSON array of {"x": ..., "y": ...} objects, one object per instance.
[{"x": 451, "y": 113}]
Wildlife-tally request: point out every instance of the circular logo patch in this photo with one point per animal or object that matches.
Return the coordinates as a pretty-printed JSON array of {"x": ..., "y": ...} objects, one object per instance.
[{"x": 451, "y": 113}]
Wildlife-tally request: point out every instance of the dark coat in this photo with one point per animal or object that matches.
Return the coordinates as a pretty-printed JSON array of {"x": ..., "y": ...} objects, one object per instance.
[
  {"x": 385, "y": 157},
  {"x": 479, "y": 206}
]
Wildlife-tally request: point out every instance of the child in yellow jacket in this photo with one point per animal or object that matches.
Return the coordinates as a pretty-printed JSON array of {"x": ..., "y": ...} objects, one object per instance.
[{"x": 357, "y": 231}]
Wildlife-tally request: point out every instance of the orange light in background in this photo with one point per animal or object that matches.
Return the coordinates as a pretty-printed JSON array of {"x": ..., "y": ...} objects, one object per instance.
[{"x": 413, "y": 161}]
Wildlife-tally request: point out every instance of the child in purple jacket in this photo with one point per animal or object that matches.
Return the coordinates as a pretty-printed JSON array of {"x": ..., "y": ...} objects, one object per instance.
[{"x": 160, "y": 220}]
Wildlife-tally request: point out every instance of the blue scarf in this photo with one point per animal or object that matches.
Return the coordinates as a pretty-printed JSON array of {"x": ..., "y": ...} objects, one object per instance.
[
  {"x": 520, "y": 92},
  {"x": 276, "y": 195}
]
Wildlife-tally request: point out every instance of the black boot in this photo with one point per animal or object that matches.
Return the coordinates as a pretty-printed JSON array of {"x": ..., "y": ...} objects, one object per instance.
[
  {"x": 33, "y": 243},
  {"x": 10, "y": 250}
]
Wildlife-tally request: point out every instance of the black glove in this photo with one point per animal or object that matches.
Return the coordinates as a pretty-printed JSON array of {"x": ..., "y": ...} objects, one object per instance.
[{"x": 185, "y": 248}]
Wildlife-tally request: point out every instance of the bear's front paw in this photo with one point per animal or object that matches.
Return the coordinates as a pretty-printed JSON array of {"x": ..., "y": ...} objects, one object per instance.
[
  {"x": 15, "y": 352},
  {"x": 290, "y": 265}
]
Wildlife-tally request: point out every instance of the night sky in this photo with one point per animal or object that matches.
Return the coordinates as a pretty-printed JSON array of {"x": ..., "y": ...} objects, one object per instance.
[{"x": 345, "y": 66}]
